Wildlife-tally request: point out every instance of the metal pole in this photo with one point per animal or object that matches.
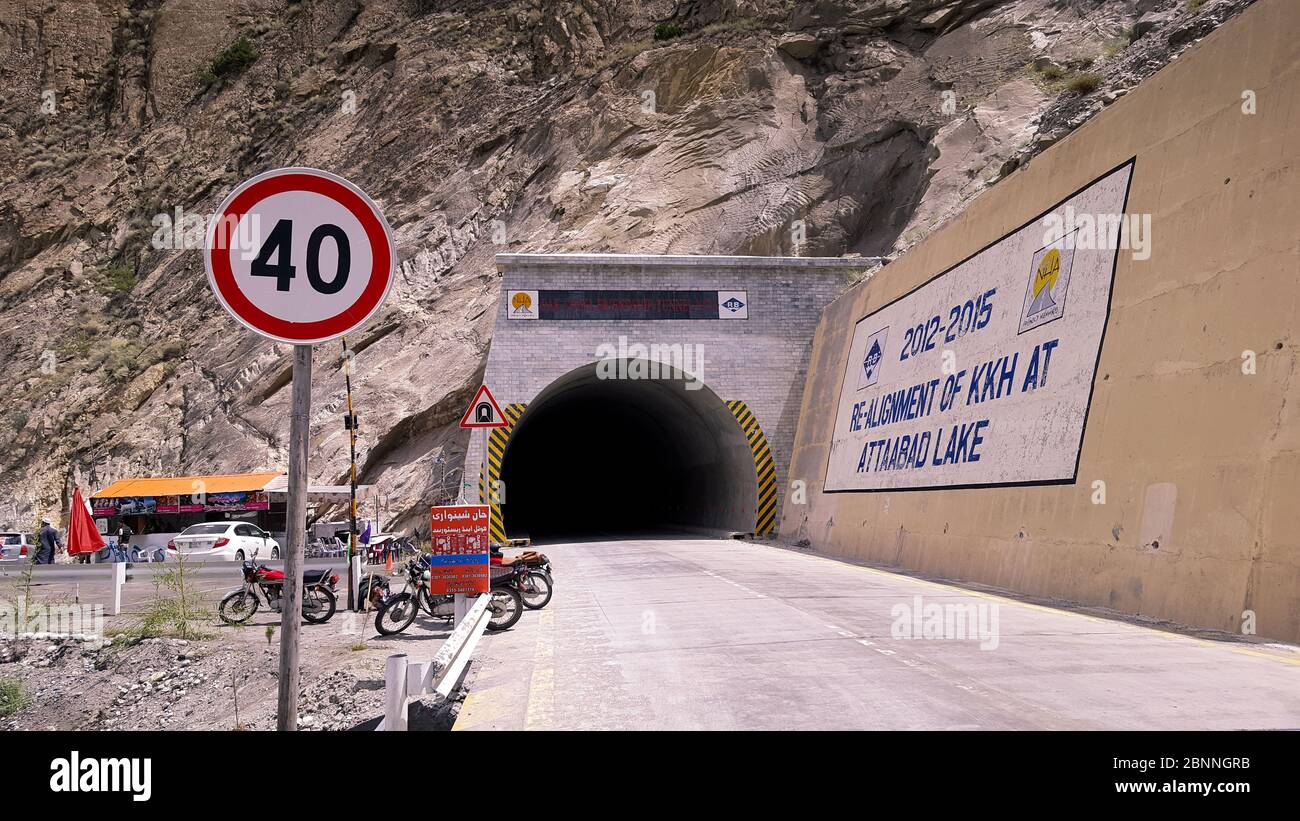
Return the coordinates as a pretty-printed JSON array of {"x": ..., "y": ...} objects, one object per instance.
[
  {"x": 352, "y": 482},
  {"x": 295, "y": 520}
]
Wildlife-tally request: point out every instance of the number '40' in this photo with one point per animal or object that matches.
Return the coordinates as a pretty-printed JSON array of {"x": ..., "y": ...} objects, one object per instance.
[{"x": 281, "y": 240}]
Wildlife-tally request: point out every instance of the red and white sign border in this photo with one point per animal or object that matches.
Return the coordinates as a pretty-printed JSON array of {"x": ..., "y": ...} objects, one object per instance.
[
  {"x": 221, "y": 279},
  {"x": 482, "y": 392}
]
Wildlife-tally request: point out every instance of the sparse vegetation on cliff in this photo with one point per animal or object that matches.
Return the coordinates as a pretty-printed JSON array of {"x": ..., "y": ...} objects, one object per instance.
[{"x": 230, "y": 63}]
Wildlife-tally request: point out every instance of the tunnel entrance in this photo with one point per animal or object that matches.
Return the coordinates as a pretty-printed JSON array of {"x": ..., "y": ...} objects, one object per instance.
[{"x": 595, "y": 456}]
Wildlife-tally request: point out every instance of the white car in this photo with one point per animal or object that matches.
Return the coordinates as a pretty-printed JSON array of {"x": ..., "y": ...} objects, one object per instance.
[
  {"x": 223, "y": 541},
  {"x": 17, "y": 546}
]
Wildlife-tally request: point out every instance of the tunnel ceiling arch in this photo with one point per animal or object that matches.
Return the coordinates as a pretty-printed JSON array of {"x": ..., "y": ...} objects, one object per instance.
[{"x": 618, "y": 455}]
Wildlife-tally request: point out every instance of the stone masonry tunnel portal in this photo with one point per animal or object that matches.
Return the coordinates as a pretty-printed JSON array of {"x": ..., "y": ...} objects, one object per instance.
[{"x": 701, "y": 441}]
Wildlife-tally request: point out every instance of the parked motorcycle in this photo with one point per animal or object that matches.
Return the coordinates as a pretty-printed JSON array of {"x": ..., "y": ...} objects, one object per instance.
[
  {"x": 537, "y": 585},
  {"x": 318, "y": 598},
  {"x": 395, "y": 612}
]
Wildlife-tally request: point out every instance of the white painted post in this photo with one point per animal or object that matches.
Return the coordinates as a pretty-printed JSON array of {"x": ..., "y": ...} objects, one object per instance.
[
  {"x": 119, "y": 579},
  {"x": 356, "y": 574},
  {"x": 415, "y": 674},
  {"x": 460, "y": 606},
  {"x": 395, "y": 692}
]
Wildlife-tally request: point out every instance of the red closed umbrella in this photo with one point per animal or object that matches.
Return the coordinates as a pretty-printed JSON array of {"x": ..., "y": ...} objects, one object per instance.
[{"x": 83, "y": 537}]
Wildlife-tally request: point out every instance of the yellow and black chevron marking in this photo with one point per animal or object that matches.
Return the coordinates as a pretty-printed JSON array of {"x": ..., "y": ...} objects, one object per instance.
[
  {"x": 764, "y": 467},
  {"x": 490, "y": 474}
]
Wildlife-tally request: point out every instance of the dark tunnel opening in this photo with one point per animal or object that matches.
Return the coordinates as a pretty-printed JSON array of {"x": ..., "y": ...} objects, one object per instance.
[{"x": 595, "y": 457}]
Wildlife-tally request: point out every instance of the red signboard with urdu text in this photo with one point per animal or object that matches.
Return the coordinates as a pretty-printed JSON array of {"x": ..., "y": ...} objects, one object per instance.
[{"x": 459, "y": 563}]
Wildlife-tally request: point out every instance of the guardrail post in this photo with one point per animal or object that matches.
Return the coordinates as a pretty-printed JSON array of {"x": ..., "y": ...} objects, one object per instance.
[
  {"x": 395, "y": 693},
  {"x": 415, "y": 673},
  {"x": 119, "y": 579}
]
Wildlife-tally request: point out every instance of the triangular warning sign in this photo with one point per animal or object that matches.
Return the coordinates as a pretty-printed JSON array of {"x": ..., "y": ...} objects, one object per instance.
[{"x": 484, "y": 412}]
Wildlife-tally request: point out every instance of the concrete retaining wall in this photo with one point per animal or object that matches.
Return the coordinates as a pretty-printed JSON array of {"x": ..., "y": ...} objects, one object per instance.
[{"x": 1201, "y": 514}]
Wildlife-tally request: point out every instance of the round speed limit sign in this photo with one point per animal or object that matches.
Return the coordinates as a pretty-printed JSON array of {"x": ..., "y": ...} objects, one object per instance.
[{"x": 300, "y": 255}]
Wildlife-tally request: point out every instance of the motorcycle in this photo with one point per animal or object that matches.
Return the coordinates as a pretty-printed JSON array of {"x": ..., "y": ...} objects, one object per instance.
[
  {"x": 395, "y": 612},
  {"x": 318, "y": 598},
  {"x": 537, "y": 585}
]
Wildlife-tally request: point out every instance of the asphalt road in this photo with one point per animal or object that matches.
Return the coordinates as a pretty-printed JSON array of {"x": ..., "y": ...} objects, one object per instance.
[{"x": 719, "y": 635}]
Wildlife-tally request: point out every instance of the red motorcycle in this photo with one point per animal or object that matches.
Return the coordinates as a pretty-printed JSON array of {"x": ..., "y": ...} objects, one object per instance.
[{"x": 318, "y": 599}]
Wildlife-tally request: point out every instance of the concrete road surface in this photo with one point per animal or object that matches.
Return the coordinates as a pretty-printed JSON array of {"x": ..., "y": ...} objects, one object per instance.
[{"x": 721, "y": 635}]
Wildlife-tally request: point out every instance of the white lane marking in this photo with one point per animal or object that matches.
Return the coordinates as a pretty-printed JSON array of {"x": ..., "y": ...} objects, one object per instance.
[
  {"x": 736, "y": 585},
  {"x": 541, "y": 689}
]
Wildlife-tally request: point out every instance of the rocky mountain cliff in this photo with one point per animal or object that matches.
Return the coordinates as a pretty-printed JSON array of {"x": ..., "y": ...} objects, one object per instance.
[{"x": 701, "y": 126}]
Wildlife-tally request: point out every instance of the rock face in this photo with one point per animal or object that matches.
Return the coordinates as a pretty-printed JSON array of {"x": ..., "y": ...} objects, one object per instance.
[{"x": 752, "y": 127}]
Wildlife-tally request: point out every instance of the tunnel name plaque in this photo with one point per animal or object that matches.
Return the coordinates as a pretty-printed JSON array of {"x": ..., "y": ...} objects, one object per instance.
[
  {"x": 551, "y": 304},
  {"x": 459, "y": 563},
  {"x": 983, "y": 375}
]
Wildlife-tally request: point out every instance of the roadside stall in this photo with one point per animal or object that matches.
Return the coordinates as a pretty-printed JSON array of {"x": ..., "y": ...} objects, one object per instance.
[{"x": 157, "y": 509}]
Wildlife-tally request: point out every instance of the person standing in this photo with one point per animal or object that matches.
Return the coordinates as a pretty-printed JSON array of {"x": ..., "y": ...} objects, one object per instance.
[
  {"x": 124, "y": 534},
  {"x": 50, "y": 543}
]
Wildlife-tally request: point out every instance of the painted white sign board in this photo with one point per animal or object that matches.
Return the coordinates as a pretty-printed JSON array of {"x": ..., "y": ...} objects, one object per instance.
[{"x": 983, "y": 375}]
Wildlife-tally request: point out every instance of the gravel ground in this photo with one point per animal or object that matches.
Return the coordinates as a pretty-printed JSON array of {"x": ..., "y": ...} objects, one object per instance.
[{"x": 224, "y": 681}]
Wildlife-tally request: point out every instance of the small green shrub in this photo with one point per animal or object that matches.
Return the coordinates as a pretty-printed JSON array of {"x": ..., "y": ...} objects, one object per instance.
[
  {"x": 1085, "y": 83},
  {"x": 238, "y": 56},
  {"x": 116, "y": 280},
  {"x": 1052, "y": 71},
  {"x": 177, "y": 608},
  {"x": 12, "y": 697},
  {"x": 667, "y": 31},
  {"x": 121, "y": 358}
]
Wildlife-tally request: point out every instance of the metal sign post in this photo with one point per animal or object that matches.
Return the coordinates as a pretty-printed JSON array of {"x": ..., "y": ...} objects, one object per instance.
[
  {"x": 295, "y": 523},
  {"x": 299, "y": 256},
  {"x": 352, "y": 481},
  {"x": 483, "y": 412}
]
